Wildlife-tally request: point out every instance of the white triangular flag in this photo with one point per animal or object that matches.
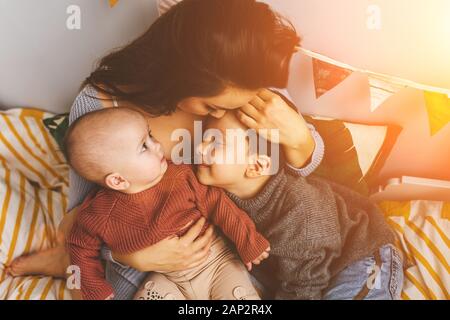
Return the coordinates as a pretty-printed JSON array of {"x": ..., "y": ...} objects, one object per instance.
[{"x": 381, "y": 90}]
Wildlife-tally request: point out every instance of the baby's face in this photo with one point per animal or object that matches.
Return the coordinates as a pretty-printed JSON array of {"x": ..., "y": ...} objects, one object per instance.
[
  {"x": 140, "y": 157},
  {"x": 224, "y": 163}
]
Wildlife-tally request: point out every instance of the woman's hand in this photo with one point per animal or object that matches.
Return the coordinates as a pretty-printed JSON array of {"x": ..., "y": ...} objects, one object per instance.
[
  {"x": 269, "y": 111},
  {"x": 173, "y": 253}
]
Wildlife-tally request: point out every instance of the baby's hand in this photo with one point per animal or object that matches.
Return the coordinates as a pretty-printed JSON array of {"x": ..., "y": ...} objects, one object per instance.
[{"x": 258, "y": 260}]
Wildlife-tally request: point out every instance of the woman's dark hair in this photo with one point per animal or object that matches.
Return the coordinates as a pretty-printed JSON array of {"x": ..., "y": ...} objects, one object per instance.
[{"x": 196, "y": 49}]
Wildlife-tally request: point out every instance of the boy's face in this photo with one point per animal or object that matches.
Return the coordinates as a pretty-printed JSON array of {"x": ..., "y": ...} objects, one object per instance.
[
  {"x": 216, "y": 170},
  {"x": 141, "y": 158}
]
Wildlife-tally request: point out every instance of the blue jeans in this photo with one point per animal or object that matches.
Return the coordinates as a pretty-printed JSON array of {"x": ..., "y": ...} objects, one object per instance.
[
  {"x": 124, "y": 280},
  {"x": 383, "y": 283}
]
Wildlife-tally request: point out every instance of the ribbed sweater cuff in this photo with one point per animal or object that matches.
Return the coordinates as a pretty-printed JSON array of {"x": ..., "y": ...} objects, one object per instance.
[
  {"x": 254, "y": 249},
  {"x": 316, "y": 157}
]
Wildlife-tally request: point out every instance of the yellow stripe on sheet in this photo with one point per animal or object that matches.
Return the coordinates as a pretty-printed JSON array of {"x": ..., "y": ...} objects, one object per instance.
[
  {"x": 52, "y": 219},
  {"x": 33, "y": 221},
  {"x": 48, "y": 139},
  {"x": 6, "y": 201},
  {"x": 12, "y": 245},
  {"x": 446, "y": 211},
  {"x": 29, "y": 212},
  {"x": 404, "y": 296},
  {"x": 419, "y": 233},
  {"x": 20, "y": 293},
  {"x": 418, "y": 256},
  {"x": 438, "y": 229},
  {"x": 31, "y": 288},
  {"x": 61, "y": 291},
  {"x": 15, "y": 283},
  {"x": 425, "y": 291},
  {"x": 400, "y": 241},
  {"x": 424, "y": 240},
  {"x": 22, "y": 160},
  {"x": 30, "y": 135},
  {"x": 20, "y": 286},
  {"x": 29, "y": 151},
  {"x": 395, "y": 209},
  {"x": 47, "y": 289}
]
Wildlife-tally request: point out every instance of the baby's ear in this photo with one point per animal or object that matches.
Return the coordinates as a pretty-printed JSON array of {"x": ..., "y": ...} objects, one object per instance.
[
  {"x": 259, "y": 165},
  {"x": 116, "y": 181}
]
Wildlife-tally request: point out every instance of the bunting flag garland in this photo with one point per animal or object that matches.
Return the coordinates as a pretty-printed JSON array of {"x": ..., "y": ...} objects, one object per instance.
[
  {"x": 381, "y": 86},
  {"x": 112, "y": 3},
  {"x": 327, "y": 76}
]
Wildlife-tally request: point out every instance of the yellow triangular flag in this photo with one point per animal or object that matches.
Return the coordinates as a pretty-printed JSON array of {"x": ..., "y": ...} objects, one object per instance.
[
  {"x": 438, "y": 107},
  {"x": 112, "y": 3}
]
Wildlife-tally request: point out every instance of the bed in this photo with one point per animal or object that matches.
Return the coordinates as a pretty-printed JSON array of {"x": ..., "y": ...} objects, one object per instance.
[{"x": 33, "y": 199}]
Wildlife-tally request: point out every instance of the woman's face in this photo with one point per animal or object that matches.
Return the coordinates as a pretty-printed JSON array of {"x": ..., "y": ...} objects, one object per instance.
[{"x": 231, "y": 98}]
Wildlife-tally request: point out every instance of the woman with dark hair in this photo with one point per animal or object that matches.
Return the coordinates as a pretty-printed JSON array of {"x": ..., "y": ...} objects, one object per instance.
[{"x": 201, "y": 58}]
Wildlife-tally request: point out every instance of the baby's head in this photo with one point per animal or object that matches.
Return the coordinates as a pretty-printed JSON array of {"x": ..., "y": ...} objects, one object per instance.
[
  {"x": 242, "y": 157},
  {"x": 113, "y": 147}
]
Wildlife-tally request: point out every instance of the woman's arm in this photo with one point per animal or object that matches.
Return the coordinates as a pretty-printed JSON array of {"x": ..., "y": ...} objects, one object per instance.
[
  {"x": 173, "y": 253},
  {"x": 84, "y": 103},
  {"x": 315, "y": 158}
]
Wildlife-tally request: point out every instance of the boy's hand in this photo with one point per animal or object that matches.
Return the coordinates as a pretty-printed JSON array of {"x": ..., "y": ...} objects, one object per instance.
[{"x": 258, "y": 260}]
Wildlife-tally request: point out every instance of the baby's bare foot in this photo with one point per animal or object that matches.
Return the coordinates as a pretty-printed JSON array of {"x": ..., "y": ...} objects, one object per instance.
[{"x": 51, "y": 262}]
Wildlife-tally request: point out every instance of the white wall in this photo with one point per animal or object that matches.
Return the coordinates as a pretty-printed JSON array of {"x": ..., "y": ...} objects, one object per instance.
[
  {"x": 413, "y": 42},
  {"x": 42, "y": 63}
]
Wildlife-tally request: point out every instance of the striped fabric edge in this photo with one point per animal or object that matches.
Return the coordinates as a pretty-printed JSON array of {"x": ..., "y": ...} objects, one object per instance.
[
  {"x": 422, "y": 228},
  {"x": 33, "y": 199}
]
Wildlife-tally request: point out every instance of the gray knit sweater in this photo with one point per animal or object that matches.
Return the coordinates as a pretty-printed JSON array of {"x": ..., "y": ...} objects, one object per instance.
[{"x": 316, "y": 228}]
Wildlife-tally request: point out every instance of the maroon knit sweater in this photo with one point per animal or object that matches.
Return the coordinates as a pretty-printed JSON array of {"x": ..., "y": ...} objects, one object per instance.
[{"x": 129, "y": 222}]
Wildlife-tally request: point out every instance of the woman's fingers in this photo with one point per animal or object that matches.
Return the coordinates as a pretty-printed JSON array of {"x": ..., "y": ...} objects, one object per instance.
[
  {"x": 258, "y": 103},
  {"x": 193, "y": 232},
  {"x": 246, "y": 120},
  {"x": 204, "y": 241},
  {"x": 266, "y": 94},
  {"x": 251, "y": 111}
]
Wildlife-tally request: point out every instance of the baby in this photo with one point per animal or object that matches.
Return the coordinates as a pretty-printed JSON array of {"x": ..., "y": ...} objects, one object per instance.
[
  {"x": 142, "y": 199},
  {"x": 327, "y": 242}
]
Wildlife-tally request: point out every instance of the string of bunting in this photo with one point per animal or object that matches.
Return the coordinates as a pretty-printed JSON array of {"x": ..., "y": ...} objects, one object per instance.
[
  {"x": 328, "y": 73},
  {"x": 112, "y": 3}
]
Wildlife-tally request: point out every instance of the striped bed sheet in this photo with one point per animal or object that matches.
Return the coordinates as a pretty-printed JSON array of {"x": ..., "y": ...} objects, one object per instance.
[
  {"x": 33, "y": 200},
  {"x": 423, "y": 229}
]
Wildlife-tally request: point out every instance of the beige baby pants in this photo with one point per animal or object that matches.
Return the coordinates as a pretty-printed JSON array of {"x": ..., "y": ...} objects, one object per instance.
[{"x": 222, "y": 276}]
